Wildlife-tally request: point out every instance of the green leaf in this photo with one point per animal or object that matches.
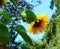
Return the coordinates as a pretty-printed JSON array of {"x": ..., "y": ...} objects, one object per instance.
[
  {"x": 4, "y": 34},
  {"x": 30, "y": 16},
  {"x": 23, "y": 14},
  {"x": 6, "y": 17},
  {"x": 5, "y": 14},
  {"x": 21, "y": 30},
  {"x": 5, "y": 1},
  {"x": 14, "y": 2}
]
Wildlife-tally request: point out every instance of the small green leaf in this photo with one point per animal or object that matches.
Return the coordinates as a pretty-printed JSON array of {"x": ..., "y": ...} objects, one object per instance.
[
  {"x": 5, "y": 1},
  {"x": 5, "y": 14},
  {"x": 21, "y": 30},
  {"x": 30, "y": 16},
  {"x": 14, "y": 2},
  {"x": 6, "y": 17},
  {"x": 23, "y": 14},
  {"x": 4, "y": 34}
]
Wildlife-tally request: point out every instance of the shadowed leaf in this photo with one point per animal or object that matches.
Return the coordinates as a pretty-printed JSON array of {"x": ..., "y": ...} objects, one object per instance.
[
  {"x": 21, "y": 30},
  {"x": 4, "y": 34}
]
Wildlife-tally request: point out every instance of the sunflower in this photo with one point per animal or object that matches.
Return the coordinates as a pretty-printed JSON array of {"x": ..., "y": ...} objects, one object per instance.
[{"x": 39, "y": 25}]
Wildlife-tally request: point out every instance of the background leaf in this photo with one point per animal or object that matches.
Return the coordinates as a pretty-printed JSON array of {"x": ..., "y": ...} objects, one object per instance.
[
  {"x": 21, "y": 30},
  {"x": 5, "y": 16},
  {"x": 4, "y": 34},
  {"x": 14, "y": 2},
  {"x": 5, "y": 1}
]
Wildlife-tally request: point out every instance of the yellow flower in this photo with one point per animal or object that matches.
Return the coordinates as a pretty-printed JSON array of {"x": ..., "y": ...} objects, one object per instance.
[{"x": 39, "y": 25}]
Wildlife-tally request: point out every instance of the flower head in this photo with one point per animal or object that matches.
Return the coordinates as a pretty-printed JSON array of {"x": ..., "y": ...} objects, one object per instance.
[{"x": 39, "y": 25}]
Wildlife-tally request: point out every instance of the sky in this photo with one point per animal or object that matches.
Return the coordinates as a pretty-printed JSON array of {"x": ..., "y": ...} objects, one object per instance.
[{"x": 42, "y": 8}]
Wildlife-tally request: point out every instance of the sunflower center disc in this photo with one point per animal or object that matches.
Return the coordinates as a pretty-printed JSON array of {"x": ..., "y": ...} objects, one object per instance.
[{"x": 37, "y": 24}]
